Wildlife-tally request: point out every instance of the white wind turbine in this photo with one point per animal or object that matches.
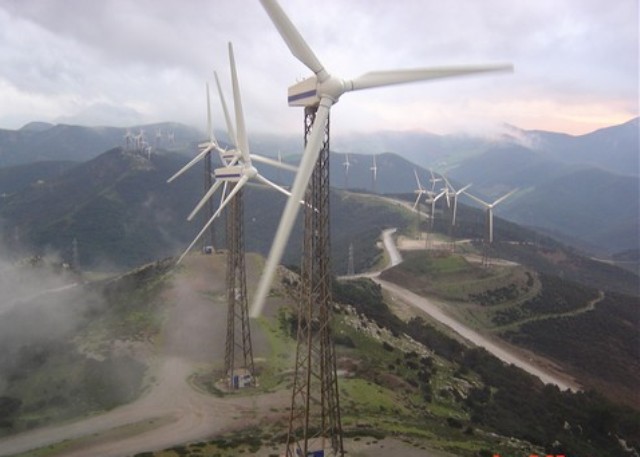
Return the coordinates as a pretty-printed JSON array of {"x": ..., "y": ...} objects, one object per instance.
[
  {"x": 433, "y": 198},
  {"x": 433, "y": 180},
  {"x": 240, "y": 169},
  {"x": 346, "y": 166},
  {"x": 453, "y": 194},
  {"x": 325, "y": 90},
  {"x": 489, "y": 207},
  {"x": 420, "y": 191},
  {"x": 374, "y": 171},
  {"x": 128, "y": 139}
]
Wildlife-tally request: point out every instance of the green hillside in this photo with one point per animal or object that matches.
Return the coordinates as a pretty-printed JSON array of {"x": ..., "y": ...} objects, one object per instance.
[
  {"x": 70, "y": 367},
  {"x": 547, "y": 313},
  {"x": 122, "y": 213}
]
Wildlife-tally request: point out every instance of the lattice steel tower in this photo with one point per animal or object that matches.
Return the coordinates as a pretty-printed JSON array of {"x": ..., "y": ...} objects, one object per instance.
[
  {"x": 315, "y": 407},
  {"x": 238, "y": 360}
]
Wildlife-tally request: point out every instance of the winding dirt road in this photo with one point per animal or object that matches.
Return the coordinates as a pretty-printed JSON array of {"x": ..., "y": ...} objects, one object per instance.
[
  {"x": 172, "y": 411},
  {"x": 499, "y": 348}
]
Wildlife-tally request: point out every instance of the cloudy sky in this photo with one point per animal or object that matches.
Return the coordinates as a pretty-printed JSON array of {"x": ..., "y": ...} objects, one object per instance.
[{"x": 125, "y": 62}]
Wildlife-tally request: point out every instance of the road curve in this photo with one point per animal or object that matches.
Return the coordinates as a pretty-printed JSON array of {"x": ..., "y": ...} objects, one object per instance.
[
  {"x": 394, "y": 255},
  {"x": 498, "y": 348}
]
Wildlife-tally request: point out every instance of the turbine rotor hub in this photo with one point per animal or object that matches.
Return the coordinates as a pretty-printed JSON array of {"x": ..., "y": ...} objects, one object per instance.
[{"x": 332, "y": 87}]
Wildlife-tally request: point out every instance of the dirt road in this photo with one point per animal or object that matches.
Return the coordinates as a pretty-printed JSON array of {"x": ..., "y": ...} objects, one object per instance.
[
  {"x": 172, "y": 412},
  {"x": 505, "y": 352}
]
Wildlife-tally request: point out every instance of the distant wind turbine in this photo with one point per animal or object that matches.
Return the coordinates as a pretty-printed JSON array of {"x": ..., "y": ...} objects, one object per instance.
[
  {"x": 433, "y": 180},
  {"x": 489, "y": 208},
  {"x": 453, "y": 194},
  {"x": 346, "y": 166},
  {"x": 374, "y": 171},
  {"x": 433, "y": 198},
  {"x": 420, "y": 191}
]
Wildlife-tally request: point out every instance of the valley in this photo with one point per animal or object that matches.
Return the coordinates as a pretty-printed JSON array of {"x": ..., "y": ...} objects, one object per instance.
[{"x": 174, "y": 410}]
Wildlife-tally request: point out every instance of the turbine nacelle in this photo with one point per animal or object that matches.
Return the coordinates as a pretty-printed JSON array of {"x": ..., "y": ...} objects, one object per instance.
[
  {"x": 229, "y": 174},
  {"x": 309, "y": 91}
]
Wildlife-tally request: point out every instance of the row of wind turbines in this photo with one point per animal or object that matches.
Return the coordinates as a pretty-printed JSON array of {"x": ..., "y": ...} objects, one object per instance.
[
  {"x": 139, "y": 142},
  {"x": 451, "y": 195},
  {"x": 374, "y": 172}
]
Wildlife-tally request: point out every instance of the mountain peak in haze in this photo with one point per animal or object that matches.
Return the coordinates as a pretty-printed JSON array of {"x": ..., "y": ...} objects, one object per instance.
[{"x": 36, "y": 126}]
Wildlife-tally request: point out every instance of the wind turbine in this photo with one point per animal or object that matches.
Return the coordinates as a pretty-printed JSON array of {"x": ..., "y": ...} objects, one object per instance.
[
  {"x": 453, "y": 194},
  {"x": 420, "y": 191},
  {"x": 239, "y": 169},
  {"x": 324, "y": 90},
  {"x": 128, "y": 139},
  {"x": 433, "y": 198},
  {"x": 158, "y": 137},
  {"x": 433, "y": 180},
  {"x": 490, "y": 207},
  {"x": 346, "y": 166},
  {"x": 374, "y": 171},
  {"x": 141, "y": 141}
]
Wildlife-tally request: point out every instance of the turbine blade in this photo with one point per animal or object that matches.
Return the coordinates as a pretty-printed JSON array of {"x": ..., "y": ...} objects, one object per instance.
[
  {"x": 209, "y": 125},
  {"x": 504, "y": 197},
  {"x": 233, "y": 192},
  {"x": 417, "y": 200},
  {"x": 273, "y": 162},
  {"x": 231, "y": 133},
  {"x": 458, "y": 192},
  {"x": 300, "y": 184},
  {"x": 292, "y": 37},
  {"x": 391, "y": 77},
  {"x": 204, "y": 199},
  {"x": 243, "y": 141},
  {"x": 482, "y": 202},
  {"x": 192, "y": 162},
  {"x": 417, "y": 179},
  {"x": 223, "y": 195},
  {"x": 195, "y": 240},
  {"x": 448, "y": 184},
  {"x": 273, "y": 185}
]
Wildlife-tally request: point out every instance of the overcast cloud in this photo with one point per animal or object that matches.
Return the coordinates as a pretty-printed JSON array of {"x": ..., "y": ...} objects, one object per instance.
[{"x": 123, "y": 62}]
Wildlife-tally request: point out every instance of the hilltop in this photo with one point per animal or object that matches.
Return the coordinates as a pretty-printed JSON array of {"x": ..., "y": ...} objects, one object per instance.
[{"x": 407, "y": 386}]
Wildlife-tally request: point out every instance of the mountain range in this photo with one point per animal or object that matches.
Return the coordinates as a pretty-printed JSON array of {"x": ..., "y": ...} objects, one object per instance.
[
  {"x": 581, "y": 189},
  {"x": 118, "y": 211}
]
